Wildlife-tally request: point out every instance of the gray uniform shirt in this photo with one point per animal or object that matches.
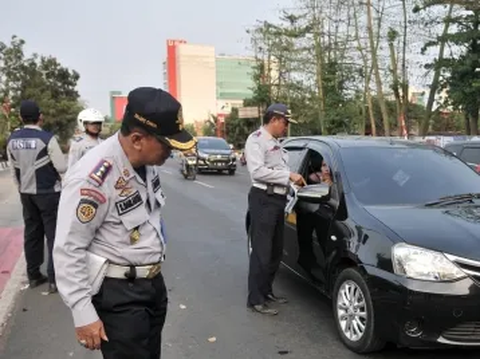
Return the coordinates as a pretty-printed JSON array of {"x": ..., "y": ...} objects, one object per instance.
[
  {"x": 79, "y": 146},
  {"x": 104, "y": 202},
  {"x": 267, "y": 162}
]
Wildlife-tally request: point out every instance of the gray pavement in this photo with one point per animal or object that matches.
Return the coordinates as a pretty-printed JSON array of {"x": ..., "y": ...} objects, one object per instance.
[{"x": 205, "y": 272}]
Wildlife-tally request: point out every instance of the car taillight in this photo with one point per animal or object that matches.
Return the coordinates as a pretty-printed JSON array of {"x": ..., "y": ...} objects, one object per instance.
[{"x": 477, "y": 168}]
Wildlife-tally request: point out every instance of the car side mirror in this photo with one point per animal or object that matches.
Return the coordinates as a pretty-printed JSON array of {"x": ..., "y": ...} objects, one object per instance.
[{"x": 315, "y": 193}]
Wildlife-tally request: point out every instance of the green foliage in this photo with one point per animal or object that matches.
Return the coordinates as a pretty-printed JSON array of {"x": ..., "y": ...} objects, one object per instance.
[
  {"x": 44, "y": 80},
  {"x": 190, "y": 127},
  {"x": 208, "y": 129}
]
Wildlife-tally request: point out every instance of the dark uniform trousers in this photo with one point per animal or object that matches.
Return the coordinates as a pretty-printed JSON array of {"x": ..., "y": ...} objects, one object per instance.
[
  {"x": 267, "y": 216},
  {"x": 40, "y": 219},
  {"x": 133, "y": 313}
]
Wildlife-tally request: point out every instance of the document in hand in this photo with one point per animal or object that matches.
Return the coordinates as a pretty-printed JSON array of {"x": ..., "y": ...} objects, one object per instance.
[
  {"x": 291, "y": 198},
  {"x": 97, "y": 268}
]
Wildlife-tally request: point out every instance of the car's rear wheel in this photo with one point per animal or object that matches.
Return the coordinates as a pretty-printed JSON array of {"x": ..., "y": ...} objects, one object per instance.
[
  {"x": 231, "y": 172},
  {"x": 354, "y": 314}
]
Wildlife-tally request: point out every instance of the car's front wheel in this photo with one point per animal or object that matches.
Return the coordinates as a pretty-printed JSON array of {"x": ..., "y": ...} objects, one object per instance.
[{"x": 354, "y": 314}]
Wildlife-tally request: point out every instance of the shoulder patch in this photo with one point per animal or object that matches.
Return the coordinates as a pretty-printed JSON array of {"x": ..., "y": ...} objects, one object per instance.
[
  {"x": 78, "y": 139},
  {"x": 100, "y": 172},
  {"x": 257, "y": 133},
  {"x": 93, "y": 194},
  {"x": 86, "y": 210}
]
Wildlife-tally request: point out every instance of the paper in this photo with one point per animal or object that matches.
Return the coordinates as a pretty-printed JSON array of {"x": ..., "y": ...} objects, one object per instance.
[{"x": 291, "y": 199}]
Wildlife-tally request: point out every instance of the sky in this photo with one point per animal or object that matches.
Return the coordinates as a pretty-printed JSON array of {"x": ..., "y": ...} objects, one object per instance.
[{"x": 121, "y": 44}]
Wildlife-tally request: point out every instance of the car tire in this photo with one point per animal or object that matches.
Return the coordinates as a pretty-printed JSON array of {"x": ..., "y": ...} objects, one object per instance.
[
  {"x": 231, "y": 172},
  {"x": 354, "y": 314}
]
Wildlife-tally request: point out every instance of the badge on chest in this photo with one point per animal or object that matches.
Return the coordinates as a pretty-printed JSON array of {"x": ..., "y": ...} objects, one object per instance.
[{"x": 129, "y": 204}]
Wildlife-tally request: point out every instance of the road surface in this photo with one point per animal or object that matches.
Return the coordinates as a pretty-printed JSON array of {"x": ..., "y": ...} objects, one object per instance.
[{"x": 205, "y": 272}]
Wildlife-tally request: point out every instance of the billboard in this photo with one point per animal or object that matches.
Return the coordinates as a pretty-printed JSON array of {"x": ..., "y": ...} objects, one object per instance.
[{"x": 119, "y": 104}]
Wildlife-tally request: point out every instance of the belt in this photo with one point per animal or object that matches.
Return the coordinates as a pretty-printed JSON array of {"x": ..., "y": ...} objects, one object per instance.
[
  {"x": 276, "y": 189},
  {"x": 132, "y": 272}
]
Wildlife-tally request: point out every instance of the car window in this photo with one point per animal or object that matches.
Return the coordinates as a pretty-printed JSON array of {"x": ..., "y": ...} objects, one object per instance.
[
  {"x": 471, "y": 155},
  {"x": 413, "y": 175},
  {"x": 455, "y": 149},
  {"x": 295, "y": 157},
  {"x": 213, "y": 144}
]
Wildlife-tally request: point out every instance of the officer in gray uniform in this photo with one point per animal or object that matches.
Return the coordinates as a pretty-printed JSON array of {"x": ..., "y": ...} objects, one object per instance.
[
  {"x": 91, "y": 121},
  {"x": 110, "y": 208},
  {"x": 36, "y": 162},
  {"x": 267, "y": 163}
]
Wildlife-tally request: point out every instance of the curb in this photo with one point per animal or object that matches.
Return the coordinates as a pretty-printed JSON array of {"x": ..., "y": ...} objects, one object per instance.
[{"x": 10, "y": 293}]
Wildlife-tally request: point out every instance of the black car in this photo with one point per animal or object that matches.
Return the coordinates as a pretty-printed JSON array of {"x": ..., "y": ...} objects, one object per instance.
[
  {"x": 397, "y": 240},
  {"x": 468, "y": 151},
  {"x": 214, "y": 154}
]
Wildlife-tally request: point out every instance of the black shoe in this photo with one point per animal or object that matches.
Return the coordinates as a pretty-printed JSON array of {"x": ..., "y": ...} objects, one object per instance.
[
  {"x": 272, "y": 298},
  {"x": 263, "y": 309},
  {"x": 52, "y": 288},
  {"x": 38, "y": 281}
]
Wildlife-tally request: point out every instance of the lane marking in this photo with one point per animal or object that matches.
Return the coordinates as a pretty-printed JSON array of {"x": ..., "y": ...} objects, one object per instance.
[
  {"x": 203, "y": 184},
  {"x": 166, "y": 171}
]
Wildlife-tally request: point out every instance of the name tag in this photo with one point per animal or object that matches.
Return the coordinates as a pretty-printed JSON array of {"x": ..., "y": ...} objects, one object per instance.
[
  {"x": 24, "y": 144},
  {"x": 129, "y": 204}
]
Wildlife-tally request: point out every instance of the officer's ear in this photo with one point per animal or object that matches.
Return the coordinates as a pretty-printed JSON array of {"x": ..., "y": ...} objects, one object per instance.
[{"x": 137, "y": 138}]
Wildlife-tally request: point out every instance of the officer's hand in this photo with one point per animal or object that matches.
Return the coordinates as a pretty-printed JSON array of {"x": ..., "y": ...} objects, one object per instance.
[
  {"x": 297, "y": 179},
  {"x": 91, "y": 335}
]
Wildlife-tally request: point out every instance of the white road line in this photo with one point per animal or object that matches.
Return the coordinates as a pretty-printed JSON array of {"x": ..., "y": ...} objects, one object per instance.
[
  {"x": 166, "y": 171},
  {"x": 204, "y": 184}
]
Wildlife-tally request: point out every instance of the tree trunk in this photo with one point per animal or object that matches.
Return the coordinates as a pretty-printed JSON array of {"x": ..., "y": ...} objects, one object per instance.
[
  {"x": 376, "y": 69},
  {"x": 425, "y": 124}
]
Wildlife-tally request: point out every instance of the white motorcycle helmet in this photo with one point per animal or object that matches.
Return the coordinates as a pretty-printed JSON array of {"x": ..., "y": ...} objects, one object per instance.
[{"x": 89, "y": 115}]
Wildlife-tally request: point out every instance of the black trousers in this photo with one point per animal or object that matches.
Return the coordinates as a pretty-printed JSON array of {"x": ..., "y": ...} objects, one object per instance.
[
  {"x": 133, "y": 313},
  {"x": 267, "y": 216},
  {"x": 40, "y": 219}
]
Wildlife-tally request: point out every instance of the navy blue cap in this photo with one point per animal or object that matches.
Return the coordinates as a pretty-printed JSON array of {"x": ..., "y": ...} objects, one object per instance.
[
  {"x": 160, "y": 114},
  {"x": 281, "y": 110},
  {"x": 29, "y": 111}
]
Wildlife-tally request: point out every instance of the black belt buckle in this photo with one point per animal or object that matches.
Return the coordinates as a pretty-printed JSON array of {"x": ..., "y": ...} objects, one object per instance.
[
  {"x": 270, "y": 191},
  {"x": 131, "y": 274}
]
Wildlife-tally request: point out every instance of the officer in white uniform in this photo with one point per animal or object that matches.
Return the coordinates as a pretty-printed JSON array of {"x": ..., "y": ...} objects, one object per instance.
[
  {"x": 267, "y": 163},
  {"x": 90, "y": 121},
  {"x": 110, "y": 208}
]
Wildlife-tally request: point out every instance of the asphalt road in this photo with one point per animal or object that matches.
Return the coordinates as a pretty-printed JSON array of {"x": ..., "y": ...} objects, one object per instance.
[{"x": 205, "y": 272}]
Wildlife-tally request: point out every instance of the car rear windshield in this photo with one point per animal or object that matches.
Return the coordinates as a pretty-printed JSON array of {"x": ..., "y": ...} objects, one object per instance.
[
  {"x": 213, "y": 144},
  {"x": 399, "y": 175}
]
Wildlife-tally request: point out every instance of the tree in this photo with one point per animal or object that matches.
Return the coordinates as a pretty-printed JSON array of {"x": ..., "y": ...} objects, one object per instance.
[{"x": 43, "y": 79}]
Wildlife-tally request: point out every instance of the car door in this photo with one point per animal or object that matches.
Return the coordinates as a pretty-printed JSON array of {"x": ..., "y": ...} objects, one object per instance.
[
  {"x": 296, "y": 156},
  {"x": 314, "y": 225}
]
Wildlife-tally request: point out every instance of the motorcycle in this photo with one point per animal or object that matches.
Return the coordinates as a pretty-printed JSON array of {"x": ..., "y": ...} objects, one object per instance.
[{"x": 189, "y": 167}]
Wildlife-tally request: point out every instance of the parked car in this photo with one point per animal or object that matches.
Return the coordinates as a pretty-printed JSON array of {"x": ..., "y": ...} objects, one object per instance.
[
  {"x": 214, "y": 154},
  {"x": 398, "y": 248},
  {"x": 468, "y": 151}
]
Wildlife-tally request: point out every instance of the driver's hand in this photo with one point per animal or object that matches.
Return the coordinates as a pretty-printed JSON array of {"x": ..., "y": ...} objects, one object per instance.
[{"x": 297, "y": 179}]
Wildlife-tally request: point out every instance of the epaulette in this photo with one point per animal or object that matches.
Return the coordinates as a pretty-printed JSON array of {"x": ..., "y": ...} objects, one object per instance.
[
  {"x": 100, "y": 172},
  {"x": 257, "y": 134},
  {"x": 78, "y": 139}
]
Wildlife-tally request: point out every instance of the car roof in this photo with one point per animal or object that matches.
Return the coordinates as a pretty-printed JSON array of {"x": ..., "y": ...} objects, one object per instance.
[
  {"x": 361, "y": 141},
  {"x": 462, "y": 143}
]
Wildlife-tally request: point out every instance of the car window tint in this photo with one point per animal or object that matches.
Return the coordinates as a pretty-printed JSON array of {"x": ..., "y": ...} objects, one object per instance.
[
  {"x": 456, "y": 149},
  {"x": 412, "y": 175},
  {"x": 471, "y": 154}
]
